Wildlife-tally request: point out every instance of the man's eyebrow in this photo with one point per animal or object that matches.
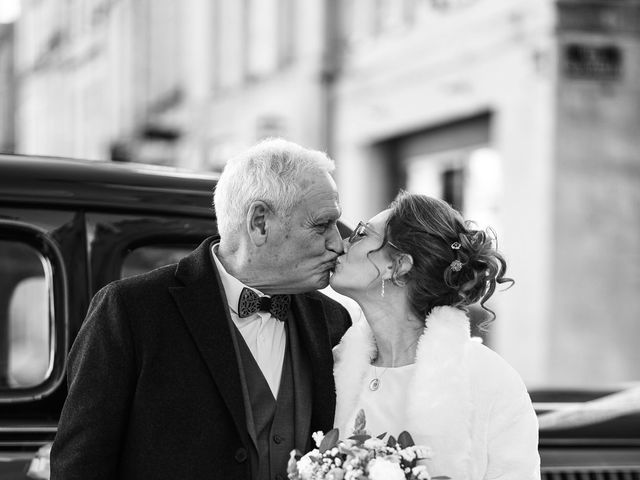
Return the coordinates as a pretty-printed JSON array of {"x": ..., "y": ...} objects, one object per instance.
[{"x": 328, "y": 216}]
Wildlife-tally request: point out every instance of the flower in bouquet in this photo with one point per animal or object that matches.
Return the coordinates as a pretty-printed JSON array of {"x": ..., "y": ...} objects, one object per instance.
[
  {"x": 361, "y": 457},
  {"x": 380, "y": 468}
]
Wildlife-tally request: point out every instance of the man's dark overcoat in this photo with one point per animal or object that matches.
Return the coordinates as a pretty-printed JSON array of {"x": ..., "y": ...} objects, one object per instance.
[{"x": 154, "y": 384}]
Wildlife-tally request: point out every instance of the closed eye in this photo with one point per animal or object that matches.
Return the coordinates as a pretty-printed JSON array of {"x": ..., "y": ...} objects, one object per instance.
[{"x": 323, "y": 227}]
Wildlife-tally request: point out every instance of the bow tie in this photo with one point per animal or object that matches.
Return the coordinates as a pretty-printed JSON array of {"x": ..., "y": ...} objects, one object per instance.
[{"x": 250, "y": 302}]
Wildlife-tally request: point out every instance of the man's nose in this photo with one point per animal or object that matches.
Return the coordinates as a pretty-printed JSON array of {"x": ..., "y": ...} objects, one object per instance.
[{"x": 334, "y": 242}]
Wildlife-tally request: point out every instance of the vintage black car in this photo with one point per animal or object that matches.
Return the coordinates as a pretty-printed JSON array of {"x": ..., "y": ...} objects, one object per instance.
[{"x": 69, "y": 227}]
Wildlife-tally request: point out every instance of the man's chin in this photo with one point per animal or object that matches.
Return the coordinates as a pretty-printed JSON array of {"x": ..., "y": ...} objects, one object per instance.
[{"x": 321, "y": 282}]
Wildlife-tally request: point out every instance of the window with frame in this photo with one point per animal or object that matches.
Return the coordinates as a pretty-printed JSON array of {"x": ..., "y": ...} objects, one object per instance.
[{"x": 26, "y": 329}]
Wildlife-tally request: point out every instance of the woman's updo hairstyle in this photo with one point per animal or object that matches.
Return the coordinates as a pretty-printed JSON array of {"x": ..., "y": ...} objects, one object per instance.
[{"x": 453, "y": 263}]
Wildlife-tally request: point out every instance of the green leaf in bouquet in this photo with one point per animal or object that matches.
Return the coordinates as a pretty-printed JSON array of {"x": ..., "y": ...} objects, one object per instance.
[
  {"x": 381, "y": 436},
  {"x": 359, "y": 426},
  {"x": 360, "y": 439},
  {"x": 330, "y": 440},
  {"x": 391, "y": 442},
  {"x": 405, "y": 440}
]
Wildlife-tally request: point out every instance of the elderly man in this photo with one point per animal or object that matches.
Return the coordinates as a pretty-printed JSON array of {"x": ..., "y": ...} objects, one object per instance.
[{"x": 219, "y": 366}]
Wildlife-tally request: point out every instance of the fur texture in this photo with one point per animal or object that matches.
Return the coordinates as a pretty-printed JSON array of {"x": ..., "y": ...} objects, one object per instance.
[{"x": 451, "y": 402}]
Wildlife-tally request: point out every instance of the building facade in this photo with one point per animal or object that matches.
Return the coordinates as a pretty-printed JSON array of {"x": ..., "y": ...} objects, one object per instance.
[
  {"x": 96, "y": 76},
  {"x": 267, "y": 76},
  {"x": 524, "y": 115},
  {"x": 456, "y": 100},
  {"x": 7, "y": 89},
  {"x": 596, "y": 194}
]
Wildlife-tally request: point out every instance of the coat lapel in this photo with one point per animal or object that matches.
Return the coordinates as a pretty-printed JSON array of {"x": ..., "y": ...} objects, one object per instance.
[
  {"x": 314, "y": 339},
  {"x": 301, "y": 368},
  {"x": 204, "y": 310}
]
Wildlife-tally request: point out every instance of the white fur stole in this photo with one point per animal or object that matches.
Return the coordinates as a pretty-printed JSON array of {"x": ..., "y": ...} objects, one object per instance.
[{"x": 439, "y": 403}]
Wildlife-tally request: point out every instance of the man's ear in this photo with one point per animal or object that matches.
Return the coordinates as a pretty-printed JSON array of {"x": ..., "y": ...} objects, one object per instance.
[{"x": 257, "y": 216}]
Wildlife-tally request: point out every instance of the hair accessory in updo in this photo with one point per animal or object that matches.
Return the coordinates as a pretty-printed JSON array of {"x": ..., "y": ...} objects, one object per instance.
[{"x": 456, "y": 265}]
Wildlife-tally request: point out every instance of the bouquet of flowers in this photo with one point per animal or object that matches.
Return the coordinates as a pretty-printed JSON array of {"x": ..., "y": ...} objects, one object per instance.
[{"x": 361, "y": 457}]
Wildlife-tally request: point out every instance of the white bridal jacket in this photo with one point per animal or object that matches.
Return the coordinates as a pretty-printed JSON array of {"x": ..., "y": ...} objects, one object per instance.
[{"x": 464, "y": 401}]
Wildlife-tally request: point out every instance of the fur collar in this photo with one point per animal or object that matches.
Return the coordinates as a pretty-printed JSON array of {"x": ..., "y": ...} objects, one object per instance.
[{"x": 439, "y": 403}]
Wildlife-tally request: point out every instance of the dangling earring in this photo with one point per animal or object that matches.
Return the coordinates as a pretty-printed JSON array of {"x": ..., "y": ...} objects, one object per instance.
[{"x": 382, "y": 290}]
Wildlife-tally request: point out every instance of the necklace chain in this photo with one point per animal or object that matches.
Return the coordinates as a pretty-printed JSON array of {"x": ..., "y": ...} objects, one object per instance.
[{"x": 374, "y": 384}]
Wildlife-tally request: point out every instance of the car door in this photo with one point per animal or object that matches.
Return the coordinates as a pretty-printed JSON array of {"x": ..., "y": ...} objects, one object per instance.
[{"x": 42, "y": 259}]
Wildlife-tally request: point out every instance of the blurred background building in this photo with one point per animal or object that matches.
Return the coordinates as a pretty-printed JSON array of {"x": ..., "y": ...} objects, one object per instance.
[
  {"x": 523, "y": 114},
  {"x": 7, "y": 88}
]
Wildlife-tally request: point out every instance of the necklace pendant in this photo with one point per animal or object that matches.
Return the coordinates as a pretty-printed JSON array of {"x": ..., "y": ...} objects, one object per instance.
[{"x": 374, "y": 384}]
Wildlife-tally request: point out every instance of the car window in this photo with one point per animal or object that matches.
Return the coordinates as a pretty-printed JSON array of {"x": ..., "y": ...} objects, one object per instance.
[
  {"x": 146, "y": 258},
  {"x": 25, "y": 316}
]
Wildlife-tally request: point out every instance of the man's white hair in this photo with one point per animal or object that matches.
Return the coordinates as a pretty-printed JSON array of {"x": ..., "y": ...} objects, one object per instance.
[{"x": 270, "y": 171}]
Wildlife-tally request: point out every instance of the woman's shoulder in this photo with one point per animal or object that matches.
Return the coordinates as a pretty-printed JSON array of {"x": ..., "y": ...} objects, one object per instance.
[
  {"x": 492, "y": 371},
  {"x": 506, "y": 402}
]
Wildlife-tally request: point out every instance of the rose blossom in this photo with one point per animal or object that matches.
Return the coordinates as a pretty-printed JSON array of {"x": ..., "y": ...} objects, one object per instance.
[{"x": 381, "y": 469}]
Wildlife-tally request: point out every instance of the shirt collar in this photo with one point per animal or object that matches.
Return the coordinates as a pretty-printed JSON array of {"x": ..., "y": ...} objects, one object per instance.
[{"x": 231, "y": 285}]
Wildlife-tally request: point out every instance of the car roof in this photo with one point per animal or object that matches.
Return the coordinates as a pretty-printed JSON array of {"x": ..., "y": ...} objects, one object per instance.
[{"x": 100, "y": 185}]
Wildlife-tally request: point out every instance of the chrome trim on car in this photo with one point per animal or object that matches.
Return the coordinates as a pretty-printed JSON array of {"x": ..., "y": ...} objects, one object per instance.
[
  {"x": 29, "y": 429},
  {"x": 548, "y": 406}
]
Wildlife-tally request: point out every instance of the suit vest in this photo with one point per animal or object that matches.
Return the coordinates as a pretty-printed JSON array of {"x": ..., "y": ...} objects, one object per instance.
[{"x": 273, "y": 420}]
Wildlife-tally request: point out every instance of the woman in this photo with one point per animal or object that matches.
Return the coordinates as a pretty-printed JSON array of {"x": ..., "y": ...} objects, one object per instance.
[{"x": 412, "y": 365}]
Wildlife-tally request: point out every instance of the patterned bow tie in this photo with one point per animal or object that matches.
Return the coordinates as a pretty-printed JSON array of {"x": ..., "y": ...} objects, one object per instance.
[{"x": 250, "y": 302}]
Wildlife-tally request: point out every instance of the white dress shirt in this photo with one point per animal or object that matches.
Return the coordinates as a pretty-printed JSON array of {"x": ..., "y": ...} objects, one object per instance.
[{"x": 265, "y": 335}]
